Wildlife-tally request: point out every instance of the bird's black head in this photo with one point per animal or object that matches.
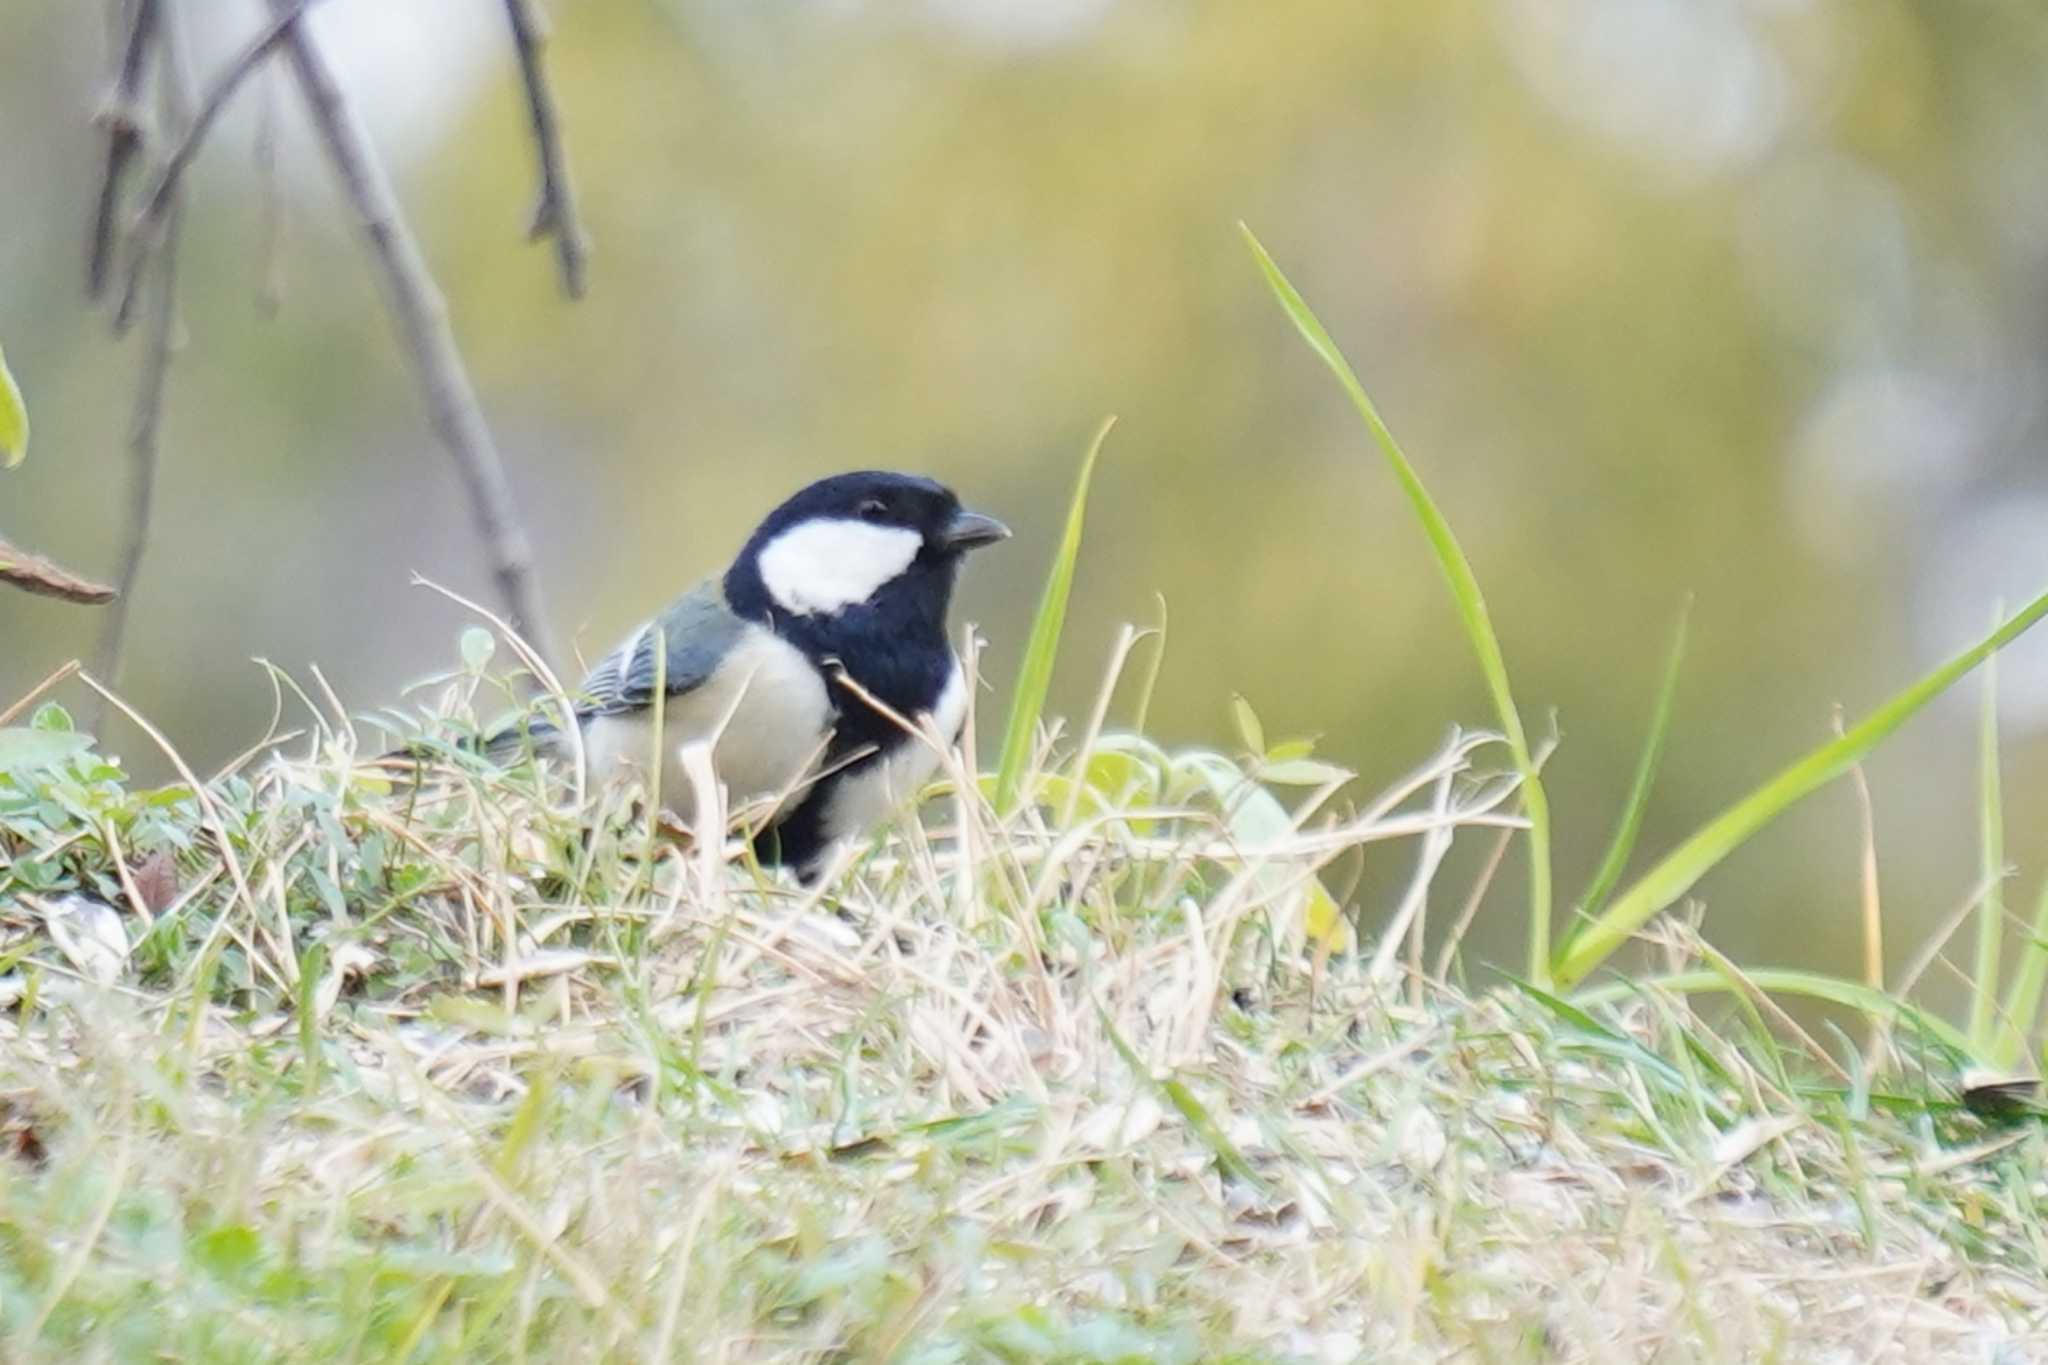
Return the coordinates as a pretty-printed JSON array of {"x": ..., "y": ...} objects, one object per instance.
[{"x": 867, "y": 553}]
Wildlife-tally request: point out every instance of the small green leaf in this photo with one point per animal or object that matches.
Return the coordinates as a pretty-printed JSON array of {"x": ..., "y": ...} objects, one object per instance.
[
  {"x": 1064, "y": 794},
  {"x": 1248, "y": 728},
  {"x": 1255, "y": 818},
  {"x": 228, "y": 1250},
  {"x": 478, "y": 645},
  {"x": 477, "y": 1016},
  {"x": 13, "y": 419},
  {"x": 25, "y": 750},
  {"x": 1302, "y": 772},
  {"x": 1121, "y": 778},
  {"x": 1325, "y": 918},
  {"x": 51, "y": 716}
]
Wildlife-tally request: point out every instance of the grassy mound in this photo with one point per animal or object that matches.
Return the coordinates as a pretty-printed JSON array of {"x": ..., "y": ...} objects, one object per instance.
[{"x": 299, "y": 1064}]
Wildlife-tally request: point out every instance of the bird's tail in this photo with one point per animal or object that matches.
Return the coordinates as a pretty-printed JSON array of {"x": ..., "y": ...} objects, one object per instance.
[{"x": 526, "y": 738}]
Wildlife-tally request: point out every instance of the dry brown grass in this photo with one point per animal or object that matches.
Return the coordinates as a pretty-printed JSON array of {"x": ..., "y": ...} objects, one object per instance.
[{"x": 424, "y": 1075}]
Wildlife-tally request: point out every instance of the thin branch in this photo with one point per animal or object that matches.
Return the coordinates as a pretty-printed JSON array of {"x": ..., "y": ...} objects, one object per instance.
[
  {"x": 144, "y": 425},
  {"x": 270, "y": 198},
  {"x": 124, "y": 135},
  {"x": 38, "y": 575},
  {"x": 149, "y": 223},
  {"x": 554, "y": 214},
  {"x": 146, "y": 418},
  {"x": 423, "y": 319}
]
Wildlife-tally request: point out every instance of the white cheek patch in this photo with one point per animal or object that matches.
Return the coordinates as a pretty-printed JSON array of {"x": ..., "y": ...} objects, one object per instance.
[{"x": 826, "y": 565}]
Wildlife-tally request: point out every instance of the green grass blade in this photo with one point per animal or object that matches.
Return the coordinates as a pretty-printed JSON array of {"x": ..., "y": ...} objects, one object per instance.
[
  {"x": 1034, "y": 675},
  {"x": 526, "y": 1124},
  {"x": 1991, "y": 867},
  {"x": 1190, "y": 1108},
  {"x": 1675, "y": 874},
  {"x": 1150, "y": 683},
  {"x": 1631, "y": 823},
  {"x": 1457, "y": 571},
  {"x": 312, "y": 965},
  {"x": 1211, "y": 1132},
  {"x": 1595, "y": 1036},
  {"x": 1833, "y": 990},
  {"x": 2023, "y": 1000}
]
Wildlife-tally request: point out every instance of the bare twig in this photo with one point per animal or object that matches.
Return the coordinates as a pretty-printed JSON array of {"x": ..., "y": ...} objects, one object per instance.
[
  {"x": 28, "y": 698},
  {"x": 423, "y": 319},
  {"x": 124, "y": 135},
  {"x": 554, "y": 213},
  {"x": 270, "y": 198},
  {"x": 146, "y": 420},
  {"x": 156, "y": 204},
  {"x": 1448, "y": 953},
  {"x": 39, "y": 575},
  {"x": 144, "y": 424}
]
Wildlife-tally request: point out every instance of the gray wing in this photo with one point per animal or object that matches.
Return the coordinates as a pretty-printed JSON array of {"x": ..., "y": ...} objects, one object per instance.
[{"x": 693, "y": 634}]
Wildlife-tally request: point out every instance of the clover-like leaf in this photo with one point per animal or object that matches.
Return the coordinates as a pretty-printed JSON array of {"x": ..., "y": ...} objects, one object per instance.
[
  {"x": 23, "y": 749},
  {"x": 478, "y": 645}
]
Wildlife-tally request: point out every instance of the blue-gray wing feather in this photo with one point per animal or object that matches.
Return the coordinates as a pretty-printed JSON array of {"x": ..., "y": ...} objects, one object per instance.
[{"x": 676, "y": 651}]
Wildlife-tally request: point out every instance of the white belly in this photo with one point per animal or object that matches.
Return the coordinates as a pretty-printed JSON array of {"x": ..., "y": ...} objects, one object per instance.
[
  {"x": 765, "y": 702},
  {"x": 864, "y": 799}
]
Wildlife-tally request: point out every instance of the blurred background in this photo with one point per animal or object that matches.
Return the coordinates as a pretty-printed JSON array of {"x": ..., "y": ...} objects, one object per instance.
[{"x": 1744, "y": 298}]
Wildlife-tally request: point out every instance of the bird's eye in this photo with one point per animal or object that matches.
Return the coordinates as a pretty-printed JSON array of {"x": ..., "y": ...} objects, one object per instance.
[{"x": 873, "y": 509}]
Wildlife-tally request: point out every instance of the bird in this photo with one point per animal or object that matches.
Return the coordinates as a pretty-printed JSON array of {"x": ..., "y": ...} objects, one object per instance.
[{"x": 836, "y": 602}]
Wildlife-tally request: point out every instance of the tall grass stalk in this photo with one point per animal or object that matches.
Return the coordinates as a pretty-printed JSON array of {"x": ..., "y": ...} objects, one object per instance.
[
  {"x": 1464, "y": 585},
  {"x": 1630, "y": 824},
  {"x": 1991, "y": 867},
  {"x": 2023, "y": 1001},
  {"x": 1034, "y": 674}
]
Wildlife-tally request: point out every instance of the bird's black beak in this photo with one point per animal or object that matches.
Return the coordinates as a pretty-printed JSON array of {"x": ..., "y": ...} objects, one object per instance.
[{"x": 971, "y": 530}]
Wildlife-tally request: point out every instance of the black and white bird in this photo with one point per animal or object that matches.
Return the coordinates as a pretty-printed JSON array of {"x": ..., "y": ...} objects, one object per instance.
[{"x": 853, "y": 575}]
